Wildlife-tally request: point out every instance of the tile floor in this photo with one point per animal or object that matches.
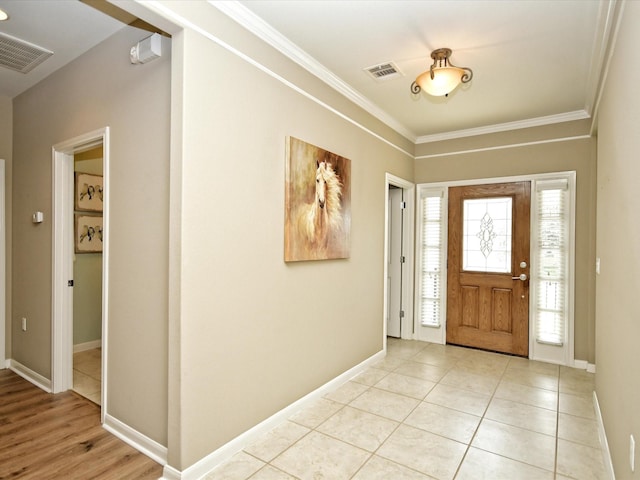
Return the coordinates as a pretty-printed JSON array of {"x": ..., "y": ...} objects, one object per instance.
[
  {"x": 87, "y": 374},
  {"x": 430, "y": 411}
]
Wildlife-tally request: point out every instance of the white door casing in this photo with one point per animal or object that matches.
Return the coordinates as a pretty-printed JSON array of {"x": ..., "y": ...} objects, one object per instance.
[
  {"x": 3, "y": 284},
  {"x": 408, "y": 238},
  {"x": 62, "y": 293}
]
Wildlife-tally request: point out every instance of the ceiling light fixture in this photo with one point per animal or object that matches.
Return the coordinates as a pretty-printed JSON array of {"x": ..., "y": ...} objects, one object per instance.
[
  {"x": 3, "y": 15},
  {"x": 442, "y": 77}
]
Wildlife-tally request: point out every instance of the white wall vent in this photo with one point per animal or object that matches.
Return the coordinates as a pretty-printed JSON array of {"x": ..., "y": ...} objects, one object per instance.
[
  {"x": 384, "y": 71},
  {"x": 19, "y": 55}
]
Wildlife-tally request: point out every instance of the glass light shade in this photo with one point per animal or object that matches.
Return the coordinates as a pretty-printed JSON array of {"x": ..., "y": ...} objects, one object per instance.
[
  {"x": 445, "y": 80},
  {"x": 3, "y": 15}
]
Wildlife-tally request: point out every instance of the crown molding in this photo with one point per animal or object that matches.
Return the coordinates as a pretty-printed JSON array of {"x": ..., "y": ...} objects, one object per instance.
[
  {"x": 600, "y": 54},
  {"x": 253, "y": 23},
  {"x": 504, "y": 127}
]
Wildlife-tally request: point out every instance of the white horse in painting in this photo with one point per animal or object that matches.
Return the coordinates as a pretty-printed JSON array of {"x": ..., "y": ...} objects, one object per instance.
[{"x": 320, "y": 222}]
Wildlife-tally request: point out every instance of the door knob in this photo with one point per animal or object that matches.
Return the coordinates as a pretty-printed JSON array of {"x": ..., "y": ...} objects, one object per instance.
[{"x": 522, "y": 276}]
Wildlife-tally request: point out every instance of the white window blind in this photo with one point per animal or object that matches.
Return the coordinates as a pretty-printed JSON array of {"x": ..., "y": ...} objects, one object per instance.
[
  {"x": 431, "y": 256},
  {"x": 551, "y": 275}
]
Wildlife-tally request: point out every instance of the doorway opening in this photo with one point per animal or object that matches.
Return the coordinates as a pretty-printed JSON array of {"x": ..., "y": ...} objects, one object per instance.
[
  {"x": 73, "y": 226},
  {"x": 87, "y": 273},
  {"x": 398, "y": 258}
]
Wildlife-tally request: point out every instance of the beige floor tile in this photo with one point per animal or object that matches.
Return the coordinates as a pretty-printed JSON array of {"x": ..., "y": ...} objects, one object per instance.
[
  {"x": 386, "y": 404},
  {"x": 459, "y": 378},
  {"x": 421, "y": 370},
  {"x": 317, "y": 413},
  {"x": 389, "y": 363},
  {"x": 240, "y": 467},
  {"x": 270, "y": 473},
  {"x": 580, "y": 406},
  {"x": 538, "y": 397},
  {"x": 371, "y": 376},
  {"x": 578, "y": 430},
  {"x": 481, "y": 465},
  {"x": 580, "y": 461},
  {"x": 378, "y": 468},
  {"x": 94, "y": 397},
  {"x": 576, "y": 382},
  {"x": 404, "y": 349},
  {"x": 438, "y": 359},
  {"x": 347, "y": 392},
  {"x": 404, "y": 385},
  {"x": 443, "y": 421},
  {"x": 494, "y": 371},
  {"x": 359, "y": 428},
  {"x": 449, "y": 350},
  {"x": 485, "y": 363},
  {"x": 516, "y": 443},
  {"x": 317, "y": 456},
  {"x": 276, "y": 441},
  {"x": 520, "y": 415},
  {"x": 458, "y": 399},
  {"x": 426, "y": 452},
  {"x": 89, "y": 366},
  {"x": 532, "y": 379},
  {"x": 526, "y": 365},
  {"x": 84, "y": 384}
]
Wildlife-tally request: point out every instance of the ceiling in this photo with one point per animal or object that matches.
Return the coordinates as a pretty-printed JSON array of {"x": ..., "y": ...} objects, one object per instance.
[
  {"x": 534, "y": 61},
  {"x": 67, "y": 28}
]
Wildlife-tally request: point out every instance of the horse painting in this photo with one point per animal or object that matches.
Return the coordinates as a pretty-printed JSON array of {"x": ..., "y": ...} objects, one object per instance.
[{"x": 318, "y": 204}]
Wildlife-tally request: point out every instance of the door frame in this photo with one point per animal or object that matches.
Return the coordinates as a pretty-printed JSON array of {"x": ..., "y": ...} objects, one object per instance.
[
  {"x": 3, "y": 267},
  {"x": 62, "y": 258},
  {"x": 407, "y": 323},
  {"x": 536, "y": 351}
]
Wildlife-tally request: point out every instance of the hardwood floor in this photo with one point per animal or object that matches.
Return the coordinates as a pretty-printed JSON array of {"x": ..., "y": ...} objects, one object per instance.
[{"x": 45, "y": 436}]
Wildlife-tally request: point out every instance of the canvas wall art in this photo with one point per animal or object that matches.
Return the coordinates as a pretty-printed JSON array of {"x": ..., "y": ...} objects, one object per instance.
[
  {"x": 88, "y": 192},
  {"x": 88, "y": 233},
  {"x": 317, "y": 203}
]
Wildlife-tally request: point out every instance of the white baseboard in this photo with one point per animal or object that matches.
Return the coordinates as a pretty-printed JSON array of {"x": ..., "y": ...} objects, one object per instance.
[
  {"x": 29, "y": 375},
  {"x": 606, "y": 453},
  {"x": 584, "y": 365},
  {"x": 81, "y": 347},
  {"x": 137, "y": 440},
  {"x": 203, "y": 466}
]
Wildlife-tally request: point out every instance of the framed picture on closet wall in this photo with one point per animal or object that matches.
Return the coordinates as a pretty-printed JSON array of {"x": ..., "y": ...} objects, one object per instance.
[
  {"x": 88, "y": 233},
  {"x": 88, "y": 192}
]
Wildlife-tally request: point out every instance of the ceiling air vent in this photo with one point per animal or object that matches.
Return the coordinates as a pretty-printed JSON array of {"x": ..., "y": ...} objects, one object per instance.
[
  {"x": 384, "y": 71},
  {"x": 19, "y": 55}
]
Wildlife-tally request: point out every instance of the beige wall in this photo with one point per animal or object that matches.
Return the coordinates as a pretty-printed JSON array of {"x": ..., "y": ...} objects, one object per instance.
[
  {"x": 6, "y": 153},
  {"x": 618, "y": 222},
  {"x": 100, "y": 89},
  {"x": 578, "y": 155},
  {"x": 255, "y": 333}
]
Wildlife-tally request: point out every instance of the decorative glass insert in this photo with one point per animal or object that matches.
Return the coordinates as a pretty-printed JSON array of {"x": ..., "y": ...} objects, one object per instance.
[{"x": 487, "y": 230}]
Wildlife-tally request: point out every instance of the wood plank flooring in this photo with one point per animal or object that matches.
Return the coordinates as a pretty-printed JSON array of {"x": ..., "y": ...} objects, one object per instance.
[{"x": 48, "y": 437}]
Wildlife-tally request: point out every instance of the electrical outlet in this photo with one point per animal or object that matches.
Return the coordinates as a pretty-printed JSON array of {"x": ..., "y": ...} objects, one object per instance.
[
  {"x": 632, "y": 453},
  {"x": 24, "y": 324}
]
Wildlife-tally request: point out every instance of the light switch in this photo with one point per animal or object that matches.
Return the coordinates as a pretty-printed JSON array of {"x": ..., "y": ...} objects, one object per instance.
[{"x": 37, "y": 217}]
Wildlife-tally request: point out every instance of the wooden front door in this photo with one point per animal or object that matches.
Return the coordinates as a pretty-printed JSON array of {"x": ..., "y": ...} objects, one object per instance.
[{"x": 488, "y": 267}]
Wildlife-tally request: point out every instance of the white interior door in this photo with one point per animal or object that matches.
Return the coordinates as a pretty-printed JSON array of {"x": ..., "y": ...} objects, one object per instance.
[{"x": 395, "y": 263}]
